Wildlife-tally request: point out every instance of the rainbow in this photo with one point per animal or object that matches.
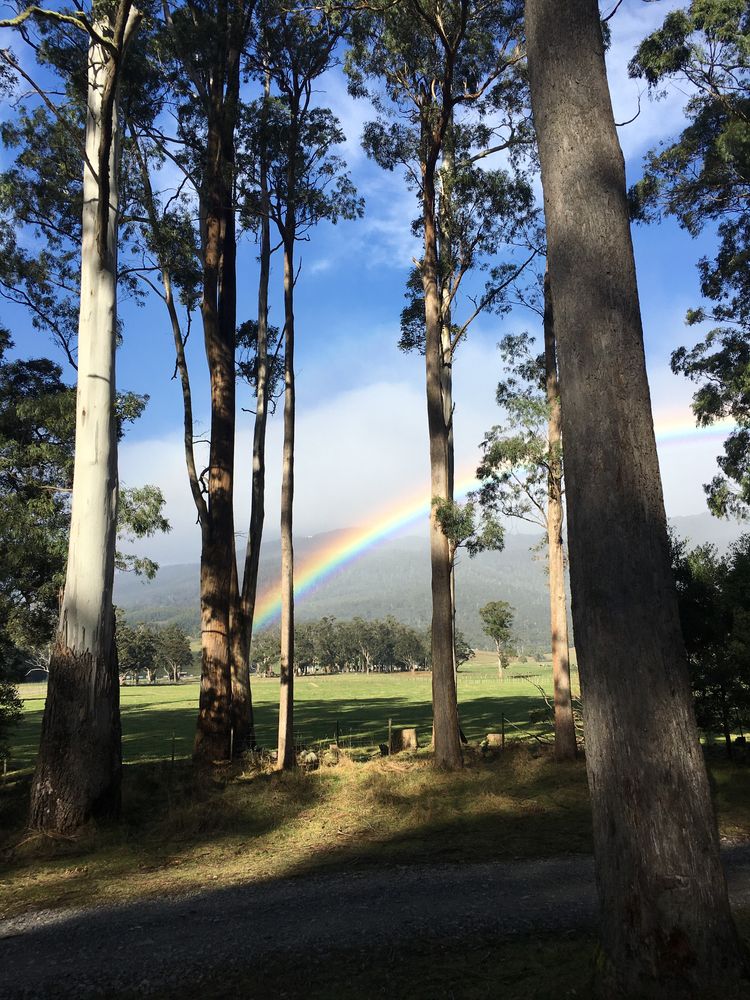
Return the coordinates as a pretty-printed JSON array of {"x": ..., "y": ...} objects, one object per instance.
[
  {"x": 313, "y": 570},
  {"x": 322, "y": 563}
]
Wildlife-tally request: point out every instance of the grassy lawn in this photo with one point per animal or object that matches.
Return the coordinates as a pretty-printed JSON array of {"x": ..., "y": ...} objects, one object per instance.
[{"x": 360, "y": 703}]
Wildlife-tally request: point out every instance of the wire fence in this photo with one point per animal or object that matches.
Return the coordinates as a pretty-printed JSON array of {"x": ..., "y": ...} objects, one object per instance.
[{"x": 359, "y": 736}]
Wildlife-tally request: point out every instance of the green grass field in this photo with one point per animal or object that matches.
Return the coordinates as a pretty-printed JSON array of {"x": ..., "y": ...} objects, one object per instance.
[{"x": 361, "y": 704}]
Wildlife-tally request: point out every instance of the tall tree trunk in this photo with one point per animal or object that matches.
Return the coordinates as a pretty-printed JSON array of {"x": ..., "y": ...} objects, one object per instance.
[
  {"x": 286, "y": 752},
  {"x": 213, "y": 732},
  {"x": 258, "y": 500},
  {"x": 447, "y": 174},
  {"x": 79, "y": 766},
  {"x": 445, "y": 710},
  {"x": 565, "y": 732},
  {"x": 666, "y": 929}
]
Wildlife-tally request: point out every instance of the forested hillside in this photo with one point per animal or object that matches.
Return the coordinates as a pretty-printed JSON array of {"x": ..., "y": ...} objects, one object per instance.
[{"x": 394, "y": 579}]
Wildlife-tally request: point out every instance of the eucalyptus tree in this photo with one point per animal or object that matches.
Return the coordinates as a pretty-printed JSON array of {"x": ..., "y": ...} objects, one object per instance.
[
  {"x": 427, "y": 67},
  {"x": 497, "y": 624},
  {"x": 208, "y": 39},
  {"x": 522, "y": 477},
  {"x": 305, "y": 184},
  {"x": 702, "y": 179},
  {"x": 665, "y": 924},
  {"x": 79, "y": 765},
  {"x": 171, "y": 241},
  {"x": 265, "y": 380},
  {"x": 174, "y": 650}
]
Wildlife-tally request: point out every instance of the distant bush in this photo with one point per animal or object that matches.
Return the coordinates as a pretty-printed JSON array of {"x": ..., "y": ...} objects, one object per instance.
[{"x": 10, "y": 713}]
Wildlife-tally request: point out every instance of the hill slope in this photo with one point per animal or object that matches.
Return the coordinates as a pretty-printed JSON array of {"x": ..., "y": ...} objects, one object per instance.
[{"x": 394, "y": 579}]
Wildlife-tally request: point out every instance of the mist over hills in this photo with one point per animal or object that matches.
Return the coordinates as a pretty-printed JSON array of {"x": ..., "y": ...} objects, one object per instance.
[{"x": 394, "y": 579}]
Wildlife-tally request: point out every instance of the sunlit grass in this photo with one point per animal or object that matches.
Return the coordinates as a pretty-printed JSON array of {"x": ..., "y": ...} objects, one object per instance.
[{"x": 159, "y": 719}]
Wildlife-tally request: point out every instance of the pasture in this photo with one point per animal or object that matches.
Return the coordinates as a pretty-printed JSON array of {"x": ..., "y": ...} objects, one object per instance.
[{"x": 156, "y": 717}]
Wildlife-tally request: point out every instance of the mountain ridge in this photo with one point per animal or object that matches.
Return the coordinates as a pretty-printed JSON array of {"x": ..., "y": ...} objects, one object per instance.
[{"x": 394, "y": 578}]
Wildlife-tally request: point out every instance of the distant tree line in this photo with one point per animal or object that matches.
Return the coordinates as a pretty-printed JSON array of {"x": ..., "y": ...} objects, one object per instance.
[{"x": 356, "y": 646}]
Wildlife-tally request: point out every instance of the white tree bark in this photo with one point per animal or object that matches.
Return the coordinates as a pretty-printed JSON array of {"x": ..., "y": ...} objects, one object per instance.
[
  {"x": 86, "y": 619},
  {"x": 79, "y": 765}
]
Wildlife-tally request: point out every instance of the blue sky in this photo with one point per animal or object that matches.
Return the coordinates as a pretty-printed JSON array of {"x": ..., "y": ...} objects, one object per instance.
[{"x": 361, "y": 414}]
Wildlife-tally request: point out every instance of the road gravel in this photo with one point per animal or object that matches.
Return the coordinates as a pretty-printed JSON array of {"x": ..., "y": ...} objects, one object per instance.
[{"x": 145, "y": 948}]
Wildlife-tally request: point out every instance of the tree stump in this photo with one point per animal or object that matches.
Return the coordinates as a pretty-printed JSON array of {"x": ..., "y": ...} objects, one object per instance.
[{"x": 403, "y": 739}]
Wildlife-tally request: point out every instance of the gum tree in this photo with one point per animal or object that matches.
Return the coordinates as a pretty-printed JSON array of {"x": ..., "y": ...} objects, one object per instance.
[
  {"x": 522, "y": 477},
  {"x": 702, "y": 179},
  {"x": 665, "y": 924},
  {"x": 424, "y": 65},
  {"x": 79, "y": 765},
  {"x": 305, "y": 183}
]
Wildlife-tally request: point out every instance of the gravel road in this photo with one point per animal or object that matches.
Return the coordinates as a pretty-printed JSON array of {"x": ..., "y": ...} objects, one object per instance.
[{"x": 97, "y": 952}]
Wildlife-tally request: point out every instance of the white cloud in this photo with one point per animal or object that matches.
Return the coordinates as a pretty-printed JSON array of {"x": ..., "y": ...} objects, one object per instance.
[
  {"x": 319, "y": 266},
  {"x": 657, "y": 119},
  {"x": 384, "y": 237}
]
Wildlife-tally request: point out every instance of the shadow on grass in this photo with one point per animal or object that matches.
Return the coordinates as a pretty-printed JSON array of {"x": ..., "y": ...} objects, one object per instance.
[
  {"x": 150, "y": 728},
  {"x": 233, "y": 839},
  {"x": 178, "y": 833}
]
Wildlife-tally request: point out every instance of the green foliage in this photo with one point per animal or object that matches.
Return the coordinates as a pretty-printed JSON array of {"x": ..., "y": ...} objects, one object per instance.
[
  {"x": 307, "y": 180},
  {"x": 714, "y": 603},
  {"x": 704, "y": 177},
  {"x": 37, "y": 437},
  {"x": 516, "y": 459},
  {"x": 139, "y": 515},
  {"x": 464, "y": 652},
  {"x": 174, "y": 648},
  {"x": 37, "y": 426},
  {"x": 41, "y": 190},
  {"x": 497, "y": 623},
  {"x": 11, "y": 708},
  {"x": 145, "y": 650},
  {"x": 299, "y": 147},
  {"x": 437, "y": 75},
  {"x": 482, "y": 214},
  {"x": 331, "y": 646},
  {"x": 246, "y": 357},
  {"x": 464, "y": 526}
]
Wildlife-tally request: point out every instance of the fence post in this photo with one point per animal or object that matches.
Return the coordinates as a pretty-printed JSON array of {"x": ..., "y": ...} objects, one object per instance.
[
  {"x": 338, "y": 734},
  {"x": 390, "y": 734},
  {"x": 502, "y": 731}
]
